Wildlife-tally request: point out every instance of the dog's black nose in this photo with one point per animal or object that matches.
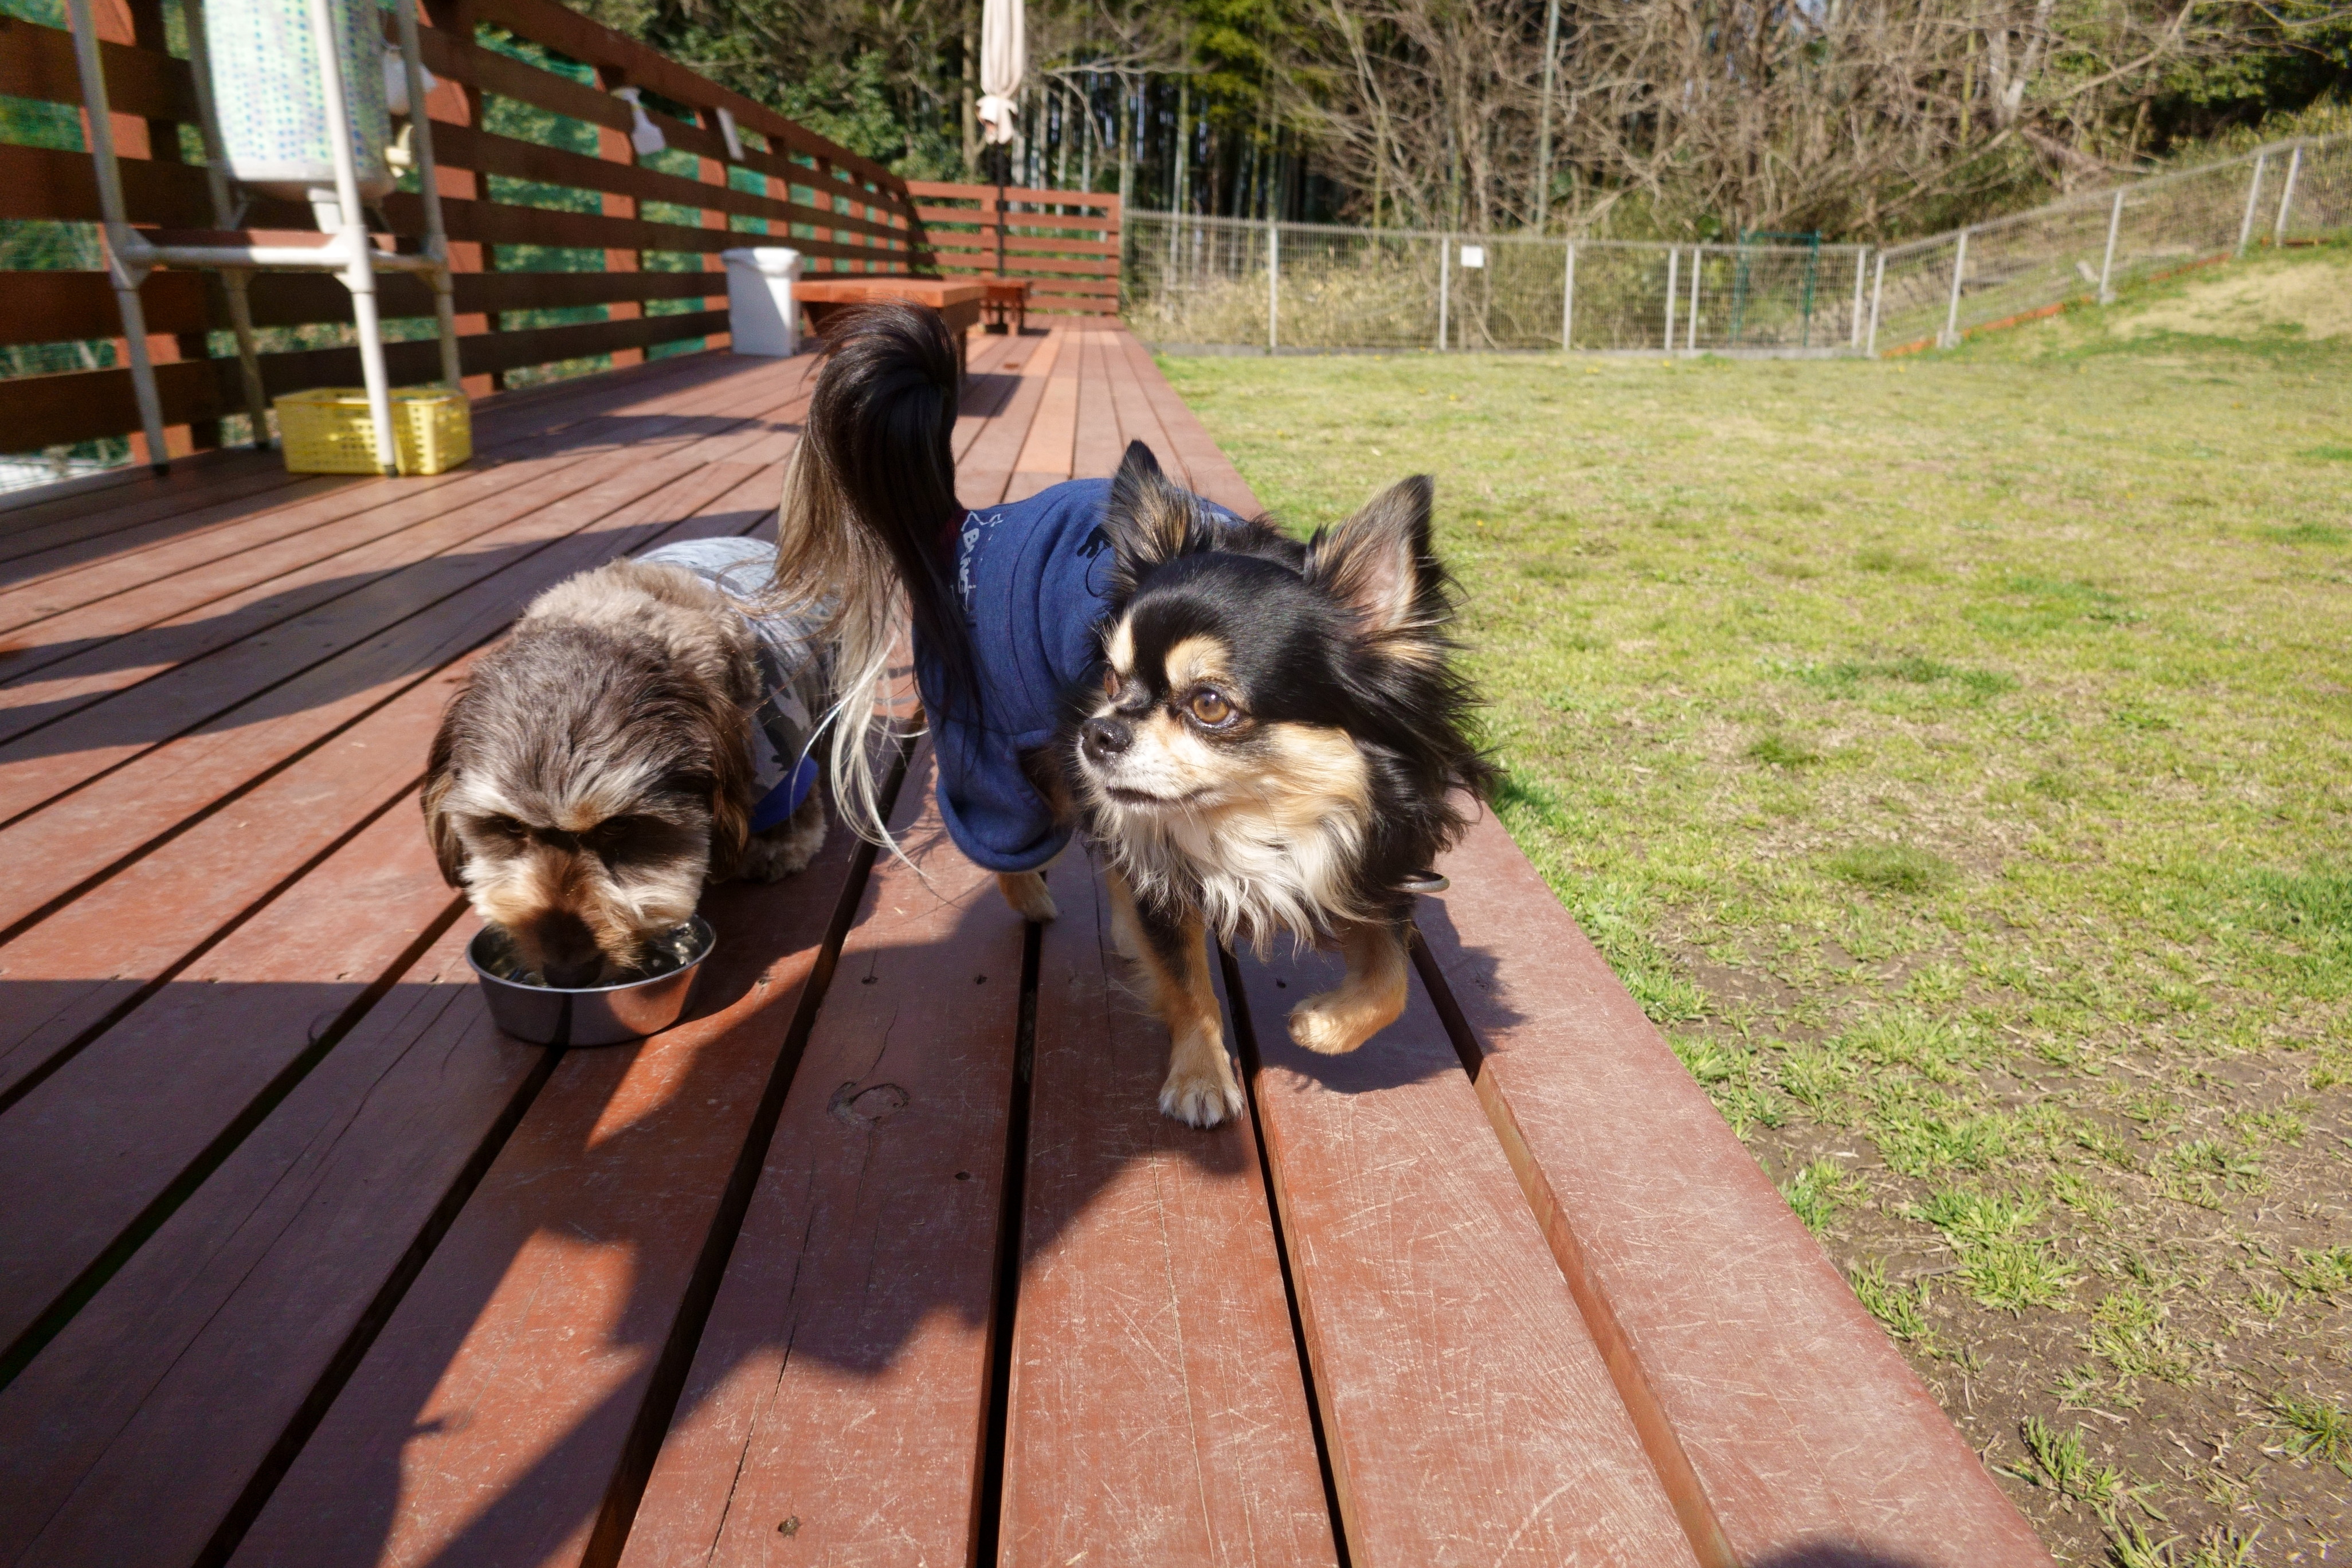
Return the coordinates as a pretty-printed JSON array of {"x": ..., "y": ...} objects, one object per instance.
[
  {"x": 1106, "y": 737},
  {"x": 572, "y": 976},
  {"x": 568, "y": 957}
]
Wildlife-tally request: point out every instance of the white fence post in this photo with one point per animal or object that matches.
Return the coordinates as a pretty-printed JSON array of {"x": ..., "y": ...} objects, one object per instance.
[
  {"x": 1273, "y": 283},
  {"x": 2108, "y": 263},
  {"x": 1853, "y": 317},
  {"x": 2253, "y": 195},
  {"x": 1444, "y": 287},
  {"x": 1877, "y": 293},
  {"x": 2286, "y": 197},
  {"x": 1951, "y": 336},
  {"x": 1568, "y": 298},
  {"x": 1690, "y": 331},
  {"x": 1673, "y": 284}
]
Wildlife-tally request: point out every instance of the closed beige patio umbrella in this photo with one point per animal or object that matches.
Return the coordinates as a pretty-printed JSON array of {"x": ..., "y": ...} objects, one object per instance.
[{"x": 1004, "y": 57}]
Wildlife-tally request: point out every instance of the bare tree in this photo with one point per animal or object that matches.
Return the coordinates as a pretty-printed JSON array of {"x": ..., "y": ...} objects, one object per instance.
[{"x": 1725, "y": 116}]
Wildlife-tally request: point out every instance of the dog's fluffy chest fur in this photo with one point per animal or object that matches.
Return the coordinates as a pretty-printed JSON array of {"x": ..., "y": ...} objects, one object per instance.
[{"x": 1284, "y": 861}]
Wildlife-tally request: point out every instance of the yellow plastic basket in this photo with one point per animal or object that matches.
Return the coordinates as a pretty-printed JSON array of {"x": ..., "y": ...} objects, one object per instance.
[{"x": 327, "y": 431}]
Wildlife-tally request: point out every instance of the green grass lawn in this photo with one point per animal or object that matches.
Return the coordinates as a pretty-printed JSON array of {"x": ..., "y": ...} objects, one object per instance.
[{"x": 1955, "y": 757}]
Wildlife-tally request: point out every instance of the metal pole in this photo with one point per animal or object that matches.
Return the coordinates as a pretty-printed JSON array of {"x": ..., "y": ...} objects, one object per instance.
[
  {"x": 2286, "y": 197},
  {"x": 1673, "y": 283},
  {"x": 1444, "y": 286},
  {"x": 125, "y": 276},
  {"x": 359, "y": 266},
  {"x": 2108, "y": 263},
  {"x": 436, "y": 238},
  {"x": 234, "y": 279},
  {"x": 1877, "y": 293},
  {"x": 1952, "y": 338},
  {"x": 1273, "y": 283},
  {"x": 1543, "y": 117},
  {"x": 1853, "y": 317},
  {"x": 1690, "y": 331},
  {"x": 1568, "y": 298},
  {"x": 2253, "y": 195}
]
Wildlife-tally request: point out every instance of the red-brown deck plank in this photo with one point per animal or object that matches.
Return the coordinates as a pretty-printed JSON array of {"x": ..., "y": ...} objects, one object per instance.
[
  {"x": 1045, "y": 455},
  {"x": 71, "y": 531},
  {"x": 98, "y": 1141},
  {"x": 493, "y": 1413},
  {"x": 842, "y": 1381},
  {"x": 988, "y": 463},
  {"x": 1157, "y": 1413},
  {"x": 104, "y": 566},
  {"x": 988, "y": 389},
  {"x": 1781, "y": 1411},
  {"x": 1468, "y": 1415},
  {"x": 112, "y": 1444},
  {"x": 120, "y": 642},
  {"x": 92, "y": 523},
  {"x": 1137, "y": 421},
  {"x": 141, "y": 588},
  {"x": 1095, "y": 453}
]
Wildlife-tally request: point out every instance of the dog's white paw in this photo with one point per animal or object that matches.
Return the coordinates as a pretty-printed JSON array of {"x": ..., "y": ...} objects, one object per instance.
[
  {"x": 1200, "y": 1093},
  {"x": 1334, "y": 1023},
  {"x": 1025, "y": 891}
]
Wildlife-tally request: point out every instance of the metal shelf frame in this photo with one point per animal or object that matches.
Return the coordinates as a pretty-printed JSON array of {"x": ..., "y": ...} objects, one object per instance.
[{"x": 346, "y": 250}]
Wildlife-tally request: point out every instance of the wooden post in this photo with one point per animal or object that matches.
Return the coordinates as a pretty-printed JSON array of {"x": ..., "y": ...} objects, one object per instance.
[
  {"x": 118, "y": 22},
  {"x": 615, "y": 147},
  {"x": 712, "y": 172},
  {"x": 162, "y": 144},
  {"x": 454, "y": 103}
]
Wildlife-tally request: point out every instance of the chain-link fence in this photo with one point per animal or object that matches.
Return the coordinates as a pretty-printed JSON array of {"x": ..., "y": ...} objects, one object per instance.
[
  {"x": 2085, "y": 247},
  {"x": 1230, "y": 282},
  {"x": 1214, "y": 282}
]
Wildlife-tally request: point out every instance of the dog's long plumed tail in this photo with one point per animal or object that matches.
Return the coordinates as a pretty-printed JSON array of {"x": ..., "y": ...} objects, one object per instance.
[{"x": 865, "y": 534}]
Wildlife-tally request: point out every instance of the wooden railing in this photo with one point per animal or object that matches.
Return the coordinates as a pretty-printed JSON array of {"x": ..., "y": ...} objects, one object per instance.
[
  {"x": 1064, "y": 243},
  {"x": 651, "y": 277}
]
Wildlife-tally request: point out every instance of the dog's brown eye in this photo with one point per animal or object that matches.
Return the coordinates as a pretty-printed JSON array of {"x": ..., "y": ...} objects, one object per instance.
[
  {"x": 1111, "y": 683},
  {"x": 504, "y": 827},
  {"x": 612, "y": 833},
  {"x": 1210, "y": 707}
]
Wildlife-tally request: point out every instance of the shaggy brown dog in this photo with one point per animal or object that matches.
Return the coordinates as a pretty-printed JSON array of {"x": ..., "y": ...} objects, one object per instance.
[{"x": 604, "y": 765}]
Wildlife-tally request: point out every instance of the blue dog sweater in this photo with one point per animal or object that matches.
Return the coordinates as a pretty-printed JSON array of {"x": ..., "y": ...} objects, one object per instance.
[{"x": 1034, "y": 578}]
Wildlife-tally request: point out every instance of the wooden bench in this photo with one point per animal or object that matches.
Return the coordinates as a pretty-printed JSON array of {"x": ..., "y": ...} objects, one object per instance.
[
  {"x": 885, "y": 1255},
  {"x": 958, "y": 303},
  {"x": 1007, "y": 305}
]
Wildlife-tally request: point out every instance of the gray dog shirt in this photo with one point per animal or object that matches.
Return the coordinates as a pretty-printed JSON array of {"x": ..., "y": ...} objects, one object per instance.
[{"x": 790, "y": 669}]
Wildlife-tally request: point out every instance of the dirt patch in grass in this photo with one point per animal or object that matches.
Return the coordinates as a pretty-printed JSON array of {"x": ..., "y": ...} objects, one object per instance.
[
  {"x": 2308, "y": 296},
  {"x": 1955, "y": 758}
]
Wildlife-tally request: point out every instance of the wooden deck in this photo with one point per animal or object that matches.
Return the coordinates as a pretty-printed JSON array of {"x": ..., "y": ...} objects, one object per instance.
[{"x": 885, "y": 1257}]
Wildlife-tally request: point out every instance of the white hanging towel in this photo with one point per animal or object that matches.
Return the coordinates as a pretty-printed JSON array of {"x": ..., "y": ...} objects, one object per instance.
[
  {"x": 1004, "y": 57},
  {"x": 646, "y": 138}
]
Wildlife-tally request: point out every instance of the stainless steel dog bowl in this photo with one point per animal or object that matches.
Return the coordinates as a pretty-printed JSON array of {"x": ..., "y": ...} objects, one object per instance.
[{"x": 591, "y": 1015}]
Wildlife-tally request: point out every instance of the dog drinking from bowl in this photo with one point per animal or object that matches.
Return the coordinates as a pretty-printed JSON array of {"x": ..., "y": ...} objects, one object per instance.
[{"x": 646, "y": 729}]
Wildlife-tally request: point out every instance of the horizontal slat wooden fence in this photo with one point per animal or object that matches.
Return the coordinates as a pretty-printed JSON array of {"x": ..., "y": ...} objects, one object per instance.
[
  {"x": 653, "y": 274},
  {"x": 1063, "y": 244}
]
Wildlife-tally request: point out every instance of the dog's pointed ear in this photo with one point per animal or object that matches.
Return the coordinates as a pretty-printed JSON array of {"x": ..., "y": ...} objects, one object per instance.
[
  {"x": 1148, "y": 518},
  {"x": 440, "y": 777},
  {"x": 1379, "y": 563}
]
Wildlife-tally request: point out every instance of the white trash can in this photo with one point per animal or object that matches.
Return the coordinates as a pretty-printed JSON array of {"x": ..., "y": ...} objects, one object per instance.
[{"x": 760, "y": 315}]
